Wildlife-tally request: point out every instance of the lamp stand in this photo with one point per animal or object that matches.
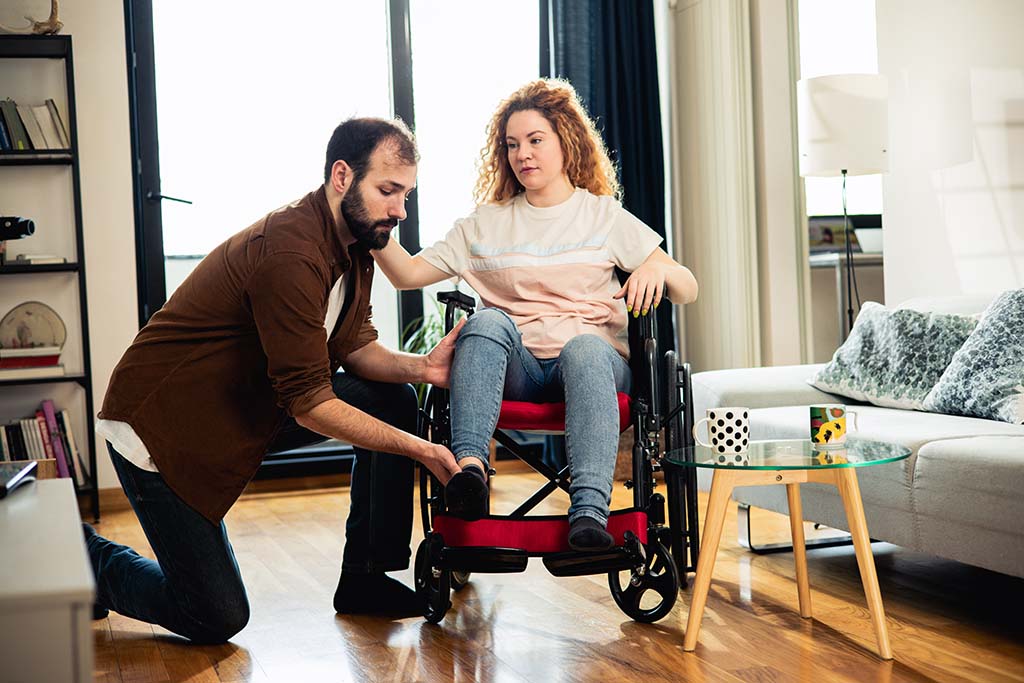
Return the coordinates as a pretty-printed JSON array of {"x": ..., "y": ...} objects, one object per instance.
[{"x": 849, "y": 262}]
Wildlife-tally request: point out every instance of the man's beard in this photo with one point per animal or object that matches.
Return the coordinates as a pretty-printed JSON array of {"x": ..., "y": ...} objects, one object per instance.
[{"x": 368, "y": 232}]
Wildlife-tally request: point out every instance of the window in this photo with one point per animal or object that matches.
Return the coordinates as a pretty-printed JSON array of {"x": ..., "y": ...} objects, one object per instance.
[
  {"x": 458, "y": 85},
  {"x": 839, "y": 38}
]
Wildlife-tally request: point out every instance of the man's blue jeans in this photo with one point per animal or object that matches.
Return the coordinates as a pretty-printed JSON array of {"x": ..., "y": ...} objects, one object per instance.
[
  {"x": 491, "y": 363},
  {"x": 194, "y": 588}
]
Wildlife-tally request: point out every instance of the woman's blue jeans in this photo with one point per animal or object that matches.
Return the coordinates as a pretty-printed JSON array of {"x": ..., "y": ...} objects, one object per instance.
[
  {"x": 491, "y": 363},
  {"x": 194, "y": 587}
]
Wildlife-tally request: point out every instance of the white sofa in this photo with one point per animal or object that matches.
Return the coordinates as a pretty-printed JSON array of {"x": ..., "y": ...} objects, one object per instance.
[{"x": 960, "y": 494}]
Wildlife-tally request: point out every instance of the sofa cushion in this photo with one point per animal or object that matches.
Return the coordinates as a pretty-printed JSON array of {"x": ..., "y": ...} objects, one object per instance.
[
  {"x": 893, "y": 358},
  {"x": 985, "y": 377},
  {"x": 974, "y": 485},
  {"x": 909, "y": 428},
  {"x": 781, "y": 385}
]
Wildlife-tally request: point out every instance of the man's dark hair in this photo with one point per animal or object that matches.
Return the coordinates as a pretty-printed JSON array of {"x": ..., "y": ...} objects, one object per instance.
[{"x": 355, "y": 139}]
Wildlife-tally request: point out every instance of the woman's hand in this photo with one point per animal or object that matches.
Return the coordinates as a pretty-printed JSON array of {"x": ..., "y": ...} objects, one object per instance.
[{"x": 644, "y": 288}]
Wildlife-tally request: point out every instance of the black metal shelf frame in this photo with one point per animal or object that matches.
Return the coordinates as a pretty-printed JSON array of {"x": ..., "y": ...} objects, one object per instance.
[{"x": 59, "y": 47}]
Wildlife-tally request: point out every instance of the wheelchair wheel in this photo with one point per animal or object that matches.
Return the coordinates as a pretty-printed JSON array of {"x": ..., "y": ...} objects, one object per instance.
[
  {"x": 650, "y": 594},
  {"x": 432, "y": 585},
  {"x": 459, "y": 580}
]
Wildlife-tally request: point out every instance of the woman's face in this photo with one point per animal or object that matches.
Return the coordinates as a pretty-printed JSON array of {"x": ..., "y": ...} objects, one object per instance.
[{"x": 534, "y": 150}]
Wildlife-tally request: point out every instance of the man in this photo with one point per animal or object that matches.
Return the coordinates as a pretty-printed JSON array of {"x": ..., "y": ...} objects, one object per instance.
[{"x": 243, "y": 360}]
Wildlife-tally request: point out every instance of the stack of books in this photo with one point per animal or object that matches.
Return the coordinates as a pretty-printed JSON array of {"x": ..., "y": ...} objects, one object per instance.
[
  {"x": 31, "y": 363},
  {"x": 25, "y": 127},
  {"x": 45, "y": 435}
]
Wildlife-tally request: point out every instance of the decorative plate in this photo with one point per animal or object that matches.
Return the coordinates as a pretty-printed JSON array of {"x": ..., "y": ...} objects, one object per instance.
[{"x": 30, "y": 324}]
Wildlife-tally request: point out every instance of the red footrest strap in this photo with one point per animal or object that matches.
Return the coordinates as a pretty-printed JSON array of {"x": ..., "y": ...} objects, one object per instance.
[{"x": 535, "y": 535}]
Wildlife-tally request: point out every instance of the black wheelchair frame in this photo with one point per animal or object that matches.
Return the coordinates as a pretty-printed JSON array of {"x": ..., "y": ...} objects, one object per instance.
[{"x": 661, "y": 398}]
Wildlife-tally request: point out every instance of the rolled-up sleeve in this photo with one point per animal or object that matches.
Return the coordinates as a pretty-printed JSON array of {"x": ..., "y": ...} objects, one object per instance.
[{"x": 289, "y": 304}]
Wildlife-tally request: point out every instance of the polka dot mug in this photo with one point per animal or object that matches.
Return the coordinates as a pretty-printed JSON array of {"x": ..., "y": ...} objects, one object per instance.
[{"x": 729, "y": 432}]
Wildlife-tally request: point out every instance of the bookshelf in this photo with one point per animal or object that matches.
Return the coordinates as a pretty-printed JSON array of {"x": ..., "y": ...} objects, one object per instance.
[{"x": 46, "y": 187}]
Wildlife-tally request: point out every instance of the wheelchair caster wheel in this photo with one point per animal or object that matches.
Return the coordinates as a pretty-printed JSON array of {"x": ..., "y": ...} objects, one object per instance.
[
  {"x": 432, "y": 585},
  {"x": 657, "y": 576},
  {"x": 459, "y": 580}
]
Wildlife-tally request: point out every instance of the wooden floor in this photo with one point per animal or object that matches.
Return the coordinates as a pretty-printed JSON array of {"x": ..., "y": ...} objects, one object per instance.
[{"x": 947, "y": 621}]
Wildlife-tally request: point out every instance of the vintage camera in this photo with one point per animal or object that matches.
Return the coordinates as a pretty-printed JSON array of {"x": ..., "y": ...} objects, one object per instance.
[{"x": 15, "y": 227}]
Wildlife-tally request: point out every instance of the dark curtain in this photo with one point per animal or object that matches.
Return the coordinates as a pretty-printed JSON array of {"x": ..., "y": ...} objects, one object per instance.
[{"x": 607, "y": 50}]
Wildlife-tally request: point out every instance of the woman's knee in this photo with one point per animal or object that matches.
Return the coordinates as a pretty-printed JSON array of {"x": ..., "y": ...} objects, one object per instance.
[
  {"x": 491, "y": 323},
  {"x": 586, "y": 349}
]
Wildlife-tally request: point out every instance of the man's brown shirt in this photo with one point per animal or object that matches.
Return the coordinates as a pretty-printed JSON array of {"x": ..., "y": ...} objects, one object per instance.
[{"x": 238, "y": 348}]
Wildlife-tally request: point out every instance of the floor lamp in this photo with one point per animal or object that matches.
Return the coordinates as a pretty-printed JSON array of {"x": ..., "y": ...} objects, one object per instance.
[{"x": 843, "y": 131}]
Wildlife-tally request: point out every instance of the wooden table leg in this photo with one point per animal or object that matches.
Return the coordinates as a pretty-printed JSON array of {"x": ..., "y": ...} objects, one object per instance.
[
  {"x": 796, "y": 525},
  {"x": 846, "y": 482},
  {"x": 721, "y": 488}
]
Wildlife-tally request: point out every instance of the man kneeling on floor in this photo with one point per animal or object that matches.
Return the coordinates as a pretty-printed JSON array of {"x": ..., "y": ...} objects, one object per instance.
[{"x": 244, "y": 360}]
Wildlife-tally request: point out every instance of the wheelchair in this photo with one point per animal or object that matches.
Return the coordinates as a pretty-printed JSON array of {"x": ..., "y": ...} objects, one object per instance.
[{"x": 652, "y": 555}]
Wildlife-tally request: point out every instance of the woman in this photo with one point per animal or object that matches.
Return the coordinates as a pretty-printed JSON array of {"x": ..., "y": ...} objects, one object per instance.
[{"x": 541, "y": 251}]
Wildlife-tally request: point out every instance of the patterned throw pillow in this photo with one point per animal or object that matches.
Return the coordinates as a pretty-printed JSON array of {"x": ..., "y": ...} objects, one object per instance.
[
  {"x": 893, "y": 358},
  {"x": 986, "y": 376}
]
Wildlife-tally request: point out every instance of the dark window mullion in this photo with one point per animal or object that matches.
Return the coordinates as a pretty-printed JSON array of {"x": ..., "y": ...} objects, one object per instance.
[
  {"x": 149, "y": 238},
  {"x": 410, "y": 303}
]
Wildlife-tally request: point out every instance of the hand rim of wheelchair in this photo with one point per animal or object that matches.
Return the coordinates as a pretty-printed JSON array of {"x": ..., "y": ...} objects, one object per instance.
[{"x": 657, "y": 573}]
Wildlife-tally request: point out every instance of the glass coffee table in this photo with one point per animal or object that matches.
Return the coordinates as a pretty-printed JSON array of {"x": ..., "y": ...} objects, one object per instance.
[{"x": 791, "y": 463}]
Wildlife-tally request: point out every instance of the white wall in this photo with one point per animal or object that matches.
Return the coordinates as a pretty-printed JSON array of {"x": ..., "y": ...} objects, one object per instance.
[
  {"x": 101, "y": 89},
  {"x": 954, "y": 196}
]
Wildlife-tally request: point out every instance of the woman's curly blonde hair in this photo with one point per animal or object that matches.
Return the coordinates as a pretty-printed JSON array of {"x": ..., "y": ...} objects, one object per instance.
[{"x": 586, "y": 160}]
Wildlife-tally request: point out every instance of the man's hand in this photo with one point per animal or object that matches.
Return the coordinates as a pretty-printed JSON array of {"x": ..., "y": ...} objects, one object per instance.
[
  {"x": 440, "y": 461},
  {"x": 439, "y": 359}
]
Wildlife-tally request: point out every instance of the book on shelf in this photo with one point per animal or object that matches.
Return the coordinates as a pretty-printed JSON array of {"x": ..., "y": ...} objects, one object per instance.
[
  {"x": 81, "y": 467},
  {"x": 14, "y": 451},
  {"x": 32, "y": 372},
  {"x": 49, "y": 127},
  {"x": 30, "y": 357},
  {"x": 19, "y": 137},
  {"x": 35, "y": 133},
  {"x": 36, "y": 260},
  {"x": 65, "y": 465},
  {"x": 44, "y": 435},
  {"x": 5, "y": 450},
  {"x": 5, "y": 139},
  {"x": 30, "y": 433},
  {"x": 58, "y": 122}
]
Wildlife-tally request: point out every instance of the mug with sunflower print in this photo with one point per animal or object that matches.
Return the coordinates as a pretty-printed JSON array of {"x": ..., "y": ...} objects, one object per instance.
[{"x": 828, "y": 424}]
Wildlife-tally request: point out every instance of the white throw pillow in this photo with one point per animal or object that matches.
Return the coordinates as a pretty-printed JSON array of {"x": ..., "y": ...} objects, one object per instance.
[
  {"x": 893, "y": 358},
  {"x": 986, "y": 376}
]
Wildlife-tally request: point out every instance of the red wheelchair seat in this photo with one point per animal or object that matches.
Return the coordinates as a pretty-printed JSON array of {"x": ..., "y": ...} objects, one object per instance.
[{"x": 549, "y": 418}]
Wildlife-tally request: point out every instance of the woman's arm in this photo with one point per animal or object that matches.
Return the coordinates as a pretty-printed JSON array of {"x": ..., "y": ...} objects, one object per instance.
[
  {"x": 404, "y": 271},
  {"x": 649, "y": 282}
]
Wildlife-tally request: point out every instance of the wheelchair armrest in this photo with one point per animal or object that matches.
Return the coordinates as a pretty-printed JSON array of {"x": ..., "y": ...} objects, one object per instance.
[{"x": 455, "y": 300}]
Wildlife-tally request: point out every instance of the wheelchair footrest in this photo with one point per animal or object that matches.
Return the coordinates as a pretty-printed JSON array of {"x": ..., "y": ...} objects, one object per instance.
[
  {"x": 535, "y": 536},
  {"x": 585, "y": 564},
  {"x": 485, "y": 560}
]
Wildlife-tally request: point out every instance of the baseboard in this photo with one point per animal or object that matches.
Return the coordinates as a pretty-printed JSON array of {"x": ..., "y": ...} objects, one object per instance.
[{"x": 111, "y": 500}]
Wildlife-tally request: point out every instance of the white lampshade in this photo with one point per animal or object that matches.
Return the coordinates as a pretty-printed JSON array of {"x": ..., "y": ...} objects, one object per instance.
[{"x": 843, "y": 124}]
